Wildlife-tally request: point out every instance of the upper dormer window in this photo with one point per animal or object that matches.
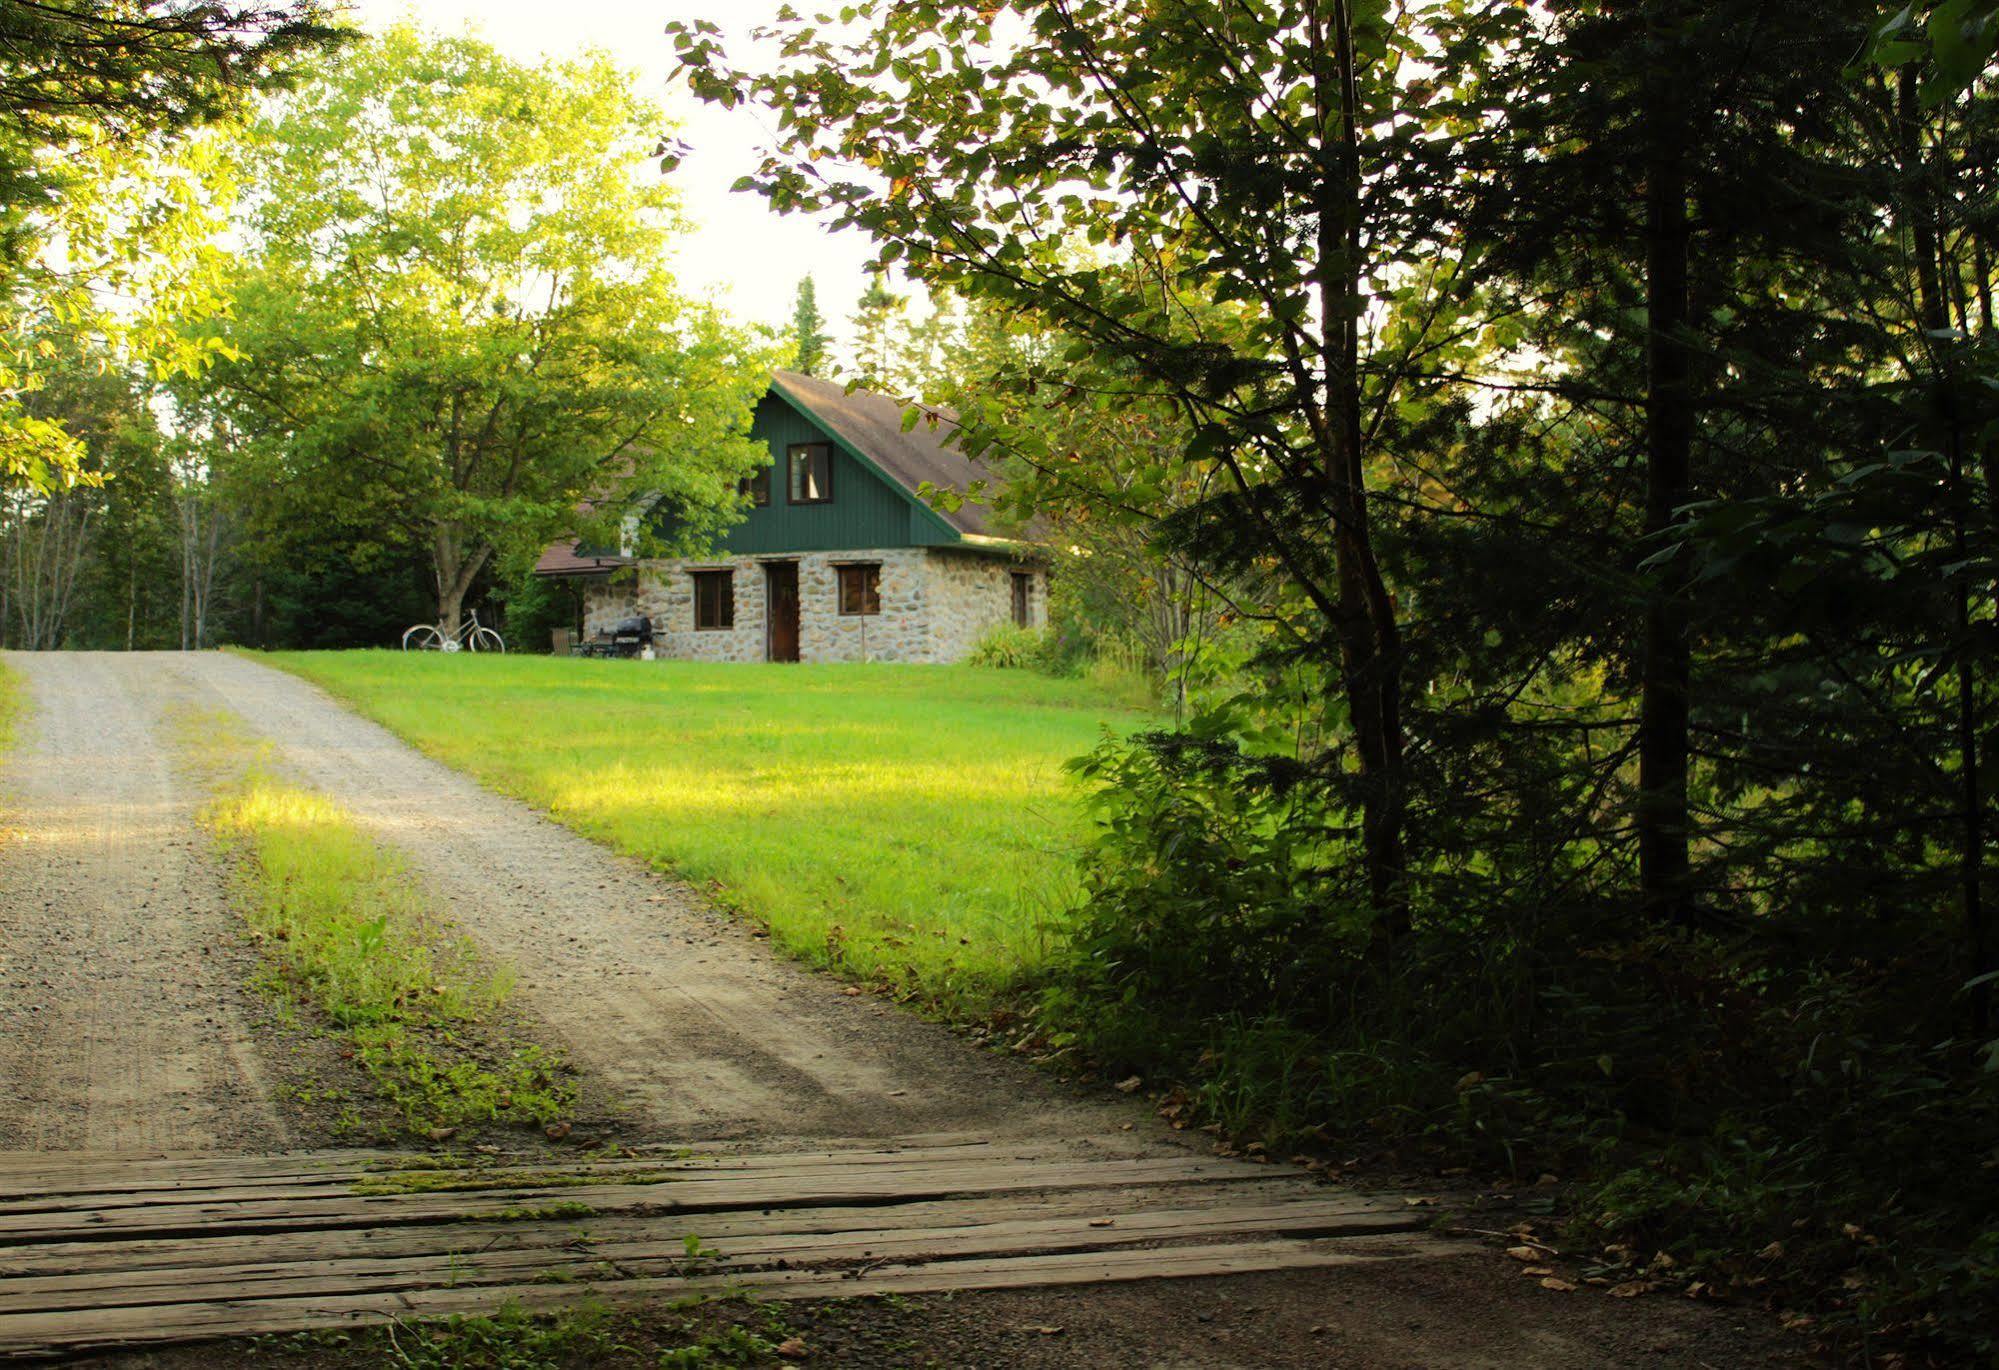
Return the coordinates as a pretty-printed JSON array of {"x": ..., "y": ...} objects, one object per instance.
[{"x": 811, "y": 473}]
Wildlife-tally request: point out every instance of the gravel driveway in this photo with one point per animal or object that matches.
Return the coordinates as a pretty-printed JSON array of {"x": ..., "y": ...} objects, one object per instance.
[
  {"x": 122, "y": 986},
  {"x": 124, "y": 1022}
]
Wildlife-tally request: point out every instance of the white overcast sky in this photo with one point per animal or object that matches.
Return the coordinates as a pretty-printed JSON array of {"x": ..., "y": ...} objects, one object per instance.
[{"x": 738, "y": 249}]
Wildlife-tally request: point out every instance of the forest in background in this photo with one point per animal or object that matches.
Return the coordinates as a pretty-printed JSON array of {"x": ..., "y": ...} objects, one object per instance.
[{"x": 364, "y": 340}]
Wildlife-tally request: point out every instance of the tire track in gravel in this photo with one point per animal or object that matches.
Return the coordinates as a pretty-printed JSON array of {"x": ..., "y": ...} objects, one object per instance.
[
  {"x": 686, "y": 1026},
  {"x": 124, "y": 1022}
]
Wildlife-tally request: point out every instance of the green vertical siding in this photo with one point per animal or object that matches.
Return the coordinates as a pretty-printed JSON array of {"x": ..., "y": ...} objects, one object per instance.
[{"x": 866, "y": 510}]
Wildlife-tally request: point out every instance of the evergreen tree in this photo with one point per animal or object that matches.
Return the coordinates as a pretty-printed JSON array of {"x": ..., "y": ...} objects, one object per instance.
[
  {"x": 876, "y": 332},
  {"x": 808, "y": 332}
]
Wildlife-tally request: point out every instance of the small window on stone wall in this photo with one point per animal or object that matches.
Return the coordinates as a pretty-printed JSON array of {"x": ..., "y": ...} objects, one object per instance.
[
  {"x": 860, "y": 589},
  {"x": 714, "y": 599},
  {"x": 1023, "y": 598}
]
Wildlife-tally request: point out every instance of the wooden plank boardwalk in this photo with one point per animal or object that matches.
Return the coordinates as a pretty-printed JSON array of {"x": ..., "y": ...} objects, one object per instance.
[{"x": 99, "y": 1251}]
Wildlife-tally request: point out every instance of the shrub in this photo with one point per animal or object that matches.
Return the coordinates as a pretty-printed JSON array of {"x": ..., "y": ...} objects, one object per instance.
[
  {"x": 1782, "y": 1121},
  {"x": 1010, "y": 646}
]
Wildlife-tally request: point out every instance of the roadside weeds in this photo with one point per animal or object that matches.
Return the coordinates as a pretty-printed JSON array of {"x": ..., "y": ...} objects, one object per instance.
[{"x": 349, "y": 942}]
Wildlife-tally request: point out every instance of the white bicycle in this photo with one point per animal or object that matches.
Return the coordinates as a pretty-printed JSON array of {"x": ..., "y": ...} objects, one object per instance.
[{"x": 471, "y": 636}]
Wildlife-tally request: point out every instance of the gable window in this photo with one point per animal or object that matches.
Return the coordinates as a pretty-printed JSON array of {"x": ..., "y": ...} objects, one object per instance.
[
  {"x": 1023, "y": 598},
  {"x": 811, "y": 473},
  {"x": 860, "y": 589},
  {"x": 714, "y": 599},
  {"x": 756, "y": 488}
]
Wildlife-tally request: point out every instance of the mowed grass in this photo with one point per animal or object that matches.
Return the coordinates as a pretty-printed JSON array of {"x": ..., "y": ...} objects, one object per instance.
[{"x": 907, "y": 824}]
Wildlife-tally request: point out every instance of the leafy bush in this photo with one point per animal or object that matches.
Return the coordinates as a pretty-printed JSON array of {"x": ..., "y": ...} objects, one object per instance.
[
  {"x": 1012, "y": 647},
  {"x": 1205, "y": 892}
]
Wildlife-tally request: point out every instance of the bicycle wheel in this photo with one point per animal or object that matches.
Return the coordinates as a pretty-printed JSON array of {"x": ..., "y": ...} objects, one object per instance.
[
  {"x": 486, "y": 640},
  {"x": 423, "y": 638}
]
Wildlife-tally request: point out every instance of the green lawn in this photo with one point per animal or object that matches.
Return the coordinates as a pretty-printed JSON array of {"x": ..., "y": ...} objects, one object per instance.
[{"x": 908, "y": 823}]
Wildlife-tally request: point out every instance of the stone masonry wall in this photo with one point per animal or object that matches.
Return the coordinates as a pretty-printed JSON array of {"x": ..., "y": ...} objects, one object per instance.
[
  {"x": 936, "y": 603},
  {"x": 971, "y": 593},
  {"x": 900, "y": 632}
]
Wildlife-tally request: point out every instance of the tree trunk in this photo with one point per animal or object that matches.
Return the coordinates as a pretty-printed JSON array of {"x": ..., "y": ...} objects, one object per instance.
[
  {"x": 186, "y": 573},
  {"x": 12, "y": 512},
  {"x": 1920, "y": 200},
  {"x": 47, "y": 540},
  {"x": 456, "y": 570},
  {"x": 1369, "y": 638},
  {"x": 1666, "y": 660}
]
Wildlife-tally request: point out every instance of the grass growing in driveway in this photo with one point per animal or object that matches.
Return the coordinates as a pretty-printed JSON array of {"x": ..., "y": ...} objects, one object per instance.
[
  {"x": 344, "y": 927},
  {"x": 906, "y": 823},
  {"x": 10, "y": 706}
]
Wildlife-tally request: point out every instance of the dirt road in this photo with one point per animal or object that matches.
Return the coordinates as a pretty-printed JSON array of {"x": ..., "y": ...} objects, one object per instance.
[{"x": 124, "y": 1023}]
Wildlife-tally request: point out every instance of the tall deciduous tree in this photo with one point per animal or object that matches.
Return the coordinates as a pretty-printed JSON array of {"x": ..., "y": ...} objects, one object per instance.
[
  {"x": 52, "y": 540},
  {"x": 455, "y": 322},
  {"x": 89, "y": 90},
  {"x": 1277, "y": 158}
]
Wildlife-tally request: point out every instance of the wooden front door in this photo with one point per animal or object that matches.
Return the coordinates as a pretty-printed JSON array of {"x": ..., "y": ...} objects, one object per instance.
[{"x": 781, "y": 611}]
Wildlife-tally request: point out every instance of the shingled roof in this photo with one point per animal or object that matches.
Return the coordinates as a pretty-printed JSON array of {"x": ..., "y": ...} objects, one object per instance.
[
  {"x": 871, "y": 425},
  {"x": 567, "y": 559}
]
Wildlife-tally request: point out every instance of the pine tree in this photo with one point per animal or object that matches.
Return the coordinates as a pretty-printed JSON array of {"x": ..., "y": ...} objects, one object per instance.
[
  {"x": 876, "y": 348},
  {"x": 808, "y": 329}
]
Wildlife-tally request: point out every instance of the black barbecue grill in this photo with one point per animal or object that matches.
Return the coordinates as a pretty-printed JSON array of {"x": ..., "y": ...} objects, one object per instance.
[{"x": 626, "y": 638}]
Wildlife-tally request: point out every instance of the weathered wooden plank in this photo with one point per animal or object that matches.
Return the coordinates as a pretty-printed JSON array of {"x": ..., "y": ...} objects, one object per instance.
[
  {"x": 24, "y": 1170},
  {"x": 665, "y": 1255},
  {"x": 695, "y": 1192},
  {"x": 145, "y": 1253},
  {"x": 43, "y": 1334},
  {"x": 172, "y": 1164},
  {"x": 48, "y": 1187}
]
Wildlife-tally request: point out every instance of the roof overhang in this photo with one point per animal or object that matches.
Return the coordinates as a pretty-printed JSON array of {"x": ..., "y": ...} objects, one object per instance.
[
  {"x": 992, "y": 546},
  {"x": 559, "y": 563}
]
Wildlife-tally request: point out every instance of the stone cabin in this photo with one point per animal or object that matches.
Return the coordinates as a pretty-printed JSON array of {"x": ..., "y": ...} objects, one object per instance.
[{"x": 839, "y": 557}]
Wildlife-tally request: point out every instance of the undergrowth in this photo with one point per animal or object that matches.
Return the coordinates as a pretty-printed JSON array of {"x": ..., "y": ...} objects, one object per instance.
[
  {"x": 1730, "y": 1116},
  {"x": 344, "y": 927},
  {"x": 696, "y": 1335}
]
